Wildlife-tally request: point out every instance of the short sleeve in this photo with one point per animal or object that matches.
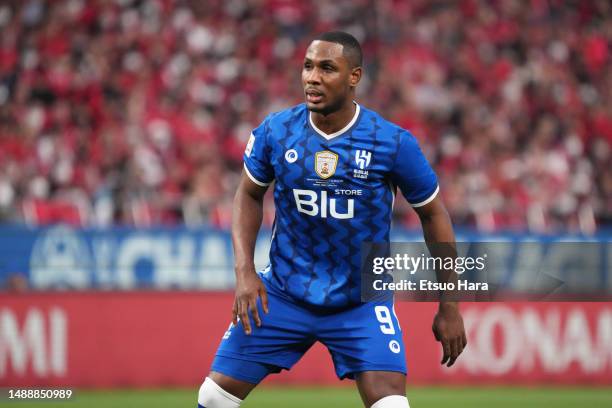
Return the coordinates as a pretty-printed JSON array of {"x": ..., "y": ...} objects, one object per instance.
[
  {"x": 412, "y": 173},
  {"x": 257, "y": 163}
]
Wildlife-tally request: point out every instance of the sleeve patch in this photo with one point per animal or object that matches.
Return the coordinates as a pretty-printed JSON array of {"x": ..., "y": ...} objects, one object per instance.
[{"x": 249, "y": 146}]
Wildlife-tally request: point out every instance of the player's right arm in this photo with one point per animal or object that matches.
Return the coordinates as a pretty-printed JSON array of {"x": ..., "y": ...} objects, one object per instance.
[{"x": 247, "y": 215}]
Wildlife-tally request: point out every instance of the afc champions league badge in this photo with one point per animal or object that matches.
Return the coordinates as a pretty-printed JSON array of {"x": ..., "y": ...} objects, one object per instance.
[
  {"x": 291, "y": 155},
  {"x": 325, "y": 163}
]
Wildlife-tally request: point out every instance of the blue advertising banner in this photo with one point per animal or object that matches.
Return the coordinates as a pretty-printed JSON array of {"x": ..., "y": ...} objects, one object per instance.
[
  {"x": 61, "y": 257},
  {"x": 121, "y": 258}
]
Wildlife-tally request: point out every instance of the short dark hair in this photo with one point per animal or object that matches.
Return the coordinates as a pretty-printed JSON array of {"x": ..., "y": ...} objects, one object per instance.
[{"x": 351, "y": 49}]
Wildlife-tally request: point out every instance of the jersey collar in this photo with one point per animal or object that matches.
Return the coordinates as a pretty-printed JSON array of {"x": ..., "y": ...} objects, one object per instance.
[{"x": 339, "y": 132}]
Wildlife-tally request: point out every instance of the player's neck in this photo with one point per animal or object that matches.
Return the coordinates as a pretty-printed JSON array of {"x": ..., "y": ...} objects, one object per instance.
[{"x": 335, "y": 121}]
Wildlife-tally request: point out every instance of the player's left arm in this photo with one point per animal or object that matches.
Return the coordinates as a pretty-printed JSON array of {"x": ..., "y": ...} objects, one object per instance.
[{"x": 448, "y": 326}]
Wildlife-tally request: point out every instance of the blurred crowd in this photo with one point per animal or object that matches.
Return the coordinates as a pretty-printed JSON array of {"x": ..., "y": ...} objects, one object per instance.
[{"x": 137, "y": 112}]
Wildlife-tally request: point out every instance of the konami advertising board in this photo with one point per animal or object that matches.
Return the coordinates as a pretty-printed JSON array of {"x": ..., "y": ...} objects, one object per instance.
[{"x": 169, "y": 338}]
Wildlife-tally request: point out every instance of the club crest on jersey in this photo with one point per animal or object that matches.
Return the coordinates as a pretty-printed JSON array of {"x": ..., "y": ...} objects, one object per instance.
[
  {"x": 325, "y": 163},
  {"x": 362, "y": 160}
]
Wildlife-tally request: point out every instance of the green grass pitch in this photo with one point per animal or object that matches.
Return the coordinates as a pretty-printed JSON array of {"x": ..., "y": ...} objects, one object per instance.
[{"x": 277, "y": 397}]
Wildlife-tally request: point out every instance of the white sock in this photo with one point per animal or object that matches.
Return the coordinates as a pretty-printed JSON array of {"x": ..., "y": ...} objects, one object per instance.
[
  {"x": 392, "y": 401},
  {"x": 211, "y": 395}
]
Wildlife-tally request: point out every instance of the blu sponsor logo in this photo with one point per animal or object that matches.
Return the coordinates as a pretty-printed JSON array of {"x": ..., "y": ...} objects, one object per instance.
[{"x": 312, "y": 203}]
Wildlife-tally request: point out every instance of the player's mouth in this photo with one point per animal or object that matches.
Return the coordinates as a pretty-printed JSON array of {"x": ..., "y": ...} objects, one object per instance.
[{"x": 313, "y": 96}]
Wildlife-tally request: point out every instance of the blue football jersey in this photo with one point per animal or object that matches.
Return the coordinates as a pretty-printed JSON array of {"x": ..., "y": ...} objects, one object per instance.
[{"x": 332, "y": 193}]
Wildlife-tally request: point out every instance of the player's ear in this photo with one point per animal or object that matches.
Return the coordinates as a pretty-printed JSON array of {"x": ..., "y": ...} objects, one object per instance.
[{"x": 355, "y": 76}]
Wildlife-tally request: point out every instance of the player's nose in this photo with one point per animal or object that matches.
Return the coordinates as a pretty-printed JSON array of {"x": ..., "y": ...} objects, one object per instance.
[{"x": 312, "y": 76}]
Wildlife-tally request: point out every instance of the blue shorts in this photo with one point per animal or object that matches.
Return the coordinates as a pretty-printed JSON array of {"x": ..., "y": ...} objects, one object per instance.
[{"x": 366, "y": 337}]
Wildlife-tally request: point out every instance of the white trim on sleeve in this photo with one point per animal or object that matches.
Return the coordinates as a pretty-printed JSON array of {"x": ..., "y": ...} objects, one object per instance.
[
  {"x": 253, "y": 179},
  {"x": 427, "y": 201}
]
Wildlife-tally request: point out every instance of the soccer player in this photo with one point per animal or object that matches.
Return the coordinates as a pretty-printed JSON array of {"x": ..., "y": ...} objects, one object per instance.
[{"x": 335, "y": 167}]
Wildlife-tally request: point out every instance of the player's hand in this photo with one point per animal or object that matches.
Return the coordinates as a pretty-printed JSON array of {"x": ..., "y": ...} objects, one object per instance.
[
  {"x": 248, "y": 288},
  {"x": 448, "y": 330}
]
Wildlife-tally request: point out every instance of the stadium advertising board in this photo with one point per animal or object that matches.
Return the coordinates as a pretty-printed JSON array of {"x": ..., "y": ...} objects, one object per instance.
[
  {"x": 108, "y": 332},
  {"x": 60, "y": 257},
  {"x": 201, "y": 259},
  {"x": 81, "y": 339}
]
